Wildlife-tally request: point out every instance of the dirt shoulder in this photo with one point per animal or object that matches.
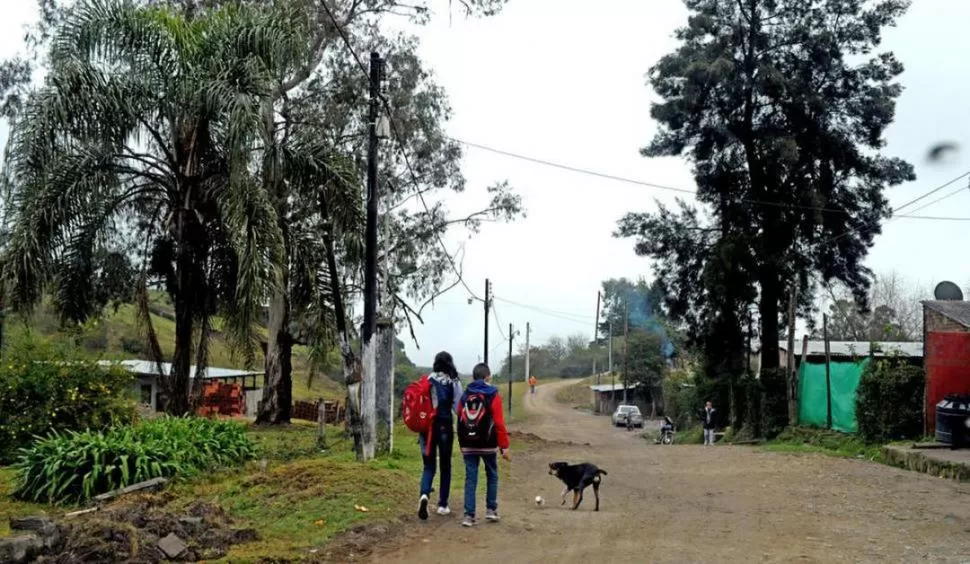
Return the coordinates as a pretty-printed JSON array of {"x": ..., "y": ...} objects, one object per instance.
[{"x": 695, "y": 504}]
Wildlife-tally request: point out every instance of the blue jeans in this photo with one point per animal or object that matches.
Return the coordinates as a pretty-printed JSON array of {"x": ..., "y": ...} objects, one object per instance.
[
  {"x": 471, "y": 481},
  {"x": 442, "y": 439}
]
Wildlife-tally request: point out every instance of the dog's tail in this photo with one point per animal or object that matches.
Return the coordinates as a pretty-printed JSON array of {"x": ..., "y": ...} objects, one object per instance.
[{"x": 601, "y": 471}]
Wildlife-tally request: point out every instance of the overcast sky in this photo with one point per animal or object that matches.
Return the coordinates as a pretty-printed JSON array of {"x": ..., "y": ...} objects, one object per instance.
[{"x": 564, "y": 81}]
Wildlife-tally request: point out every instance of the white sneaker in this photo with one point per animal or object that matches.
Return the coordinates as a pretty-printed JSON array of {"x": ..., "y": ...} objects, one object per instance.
[
  {"x": 492, "y": 515},
  {"x": 443, "y": 511}
]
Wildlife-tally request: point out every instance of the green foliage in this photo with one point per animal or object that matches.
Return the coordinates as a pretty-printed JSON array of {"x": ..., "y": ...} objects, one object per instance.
[
  {"x": 783, "y": 123},
  {"x": 44, "y": 390},
  {"x": 75, "y": 466},
  {"x": 681, "y": 400},
  {"x": 804, "y": 439},
  {"x": 889, "y": 401}
]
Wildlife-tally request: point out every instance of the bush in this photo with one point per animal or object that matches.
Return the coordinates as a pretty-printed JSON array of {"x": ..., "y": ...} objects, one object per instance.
[
  {"x": 41, "y": 391},
  {"x": 681, "y": 402},
  {"x": 76, "y": 466},
  {"x": 889, "y": 402}
]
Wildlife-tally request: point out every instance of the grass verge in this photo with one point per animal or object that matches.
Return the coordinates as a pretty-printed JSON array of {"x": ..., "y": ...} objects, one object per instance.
[
  {"x": 833, "y": 443},
  {"x": 577, "y": 395}
]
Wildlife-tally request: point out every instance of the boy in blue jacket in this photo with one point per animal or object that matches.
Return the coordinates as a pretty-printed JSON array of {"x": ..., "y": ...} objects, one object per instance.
[{"x": 481, "y": 435}]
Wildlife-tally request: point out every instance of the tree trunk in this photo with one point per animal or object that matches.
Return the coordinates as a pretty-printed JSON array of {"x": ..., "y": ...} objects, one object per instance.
[
  {"x": 769, "y": 309},
  {"x": 351, "y": 366},
  {"x": 178, "y": 388},
  {"x": 278, "y": 387}
]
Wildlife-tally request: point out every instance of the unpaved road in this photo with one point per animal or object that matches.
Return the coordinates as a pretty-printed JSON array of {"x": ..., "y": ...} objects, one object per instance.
[{"x": 696, "y": 504}]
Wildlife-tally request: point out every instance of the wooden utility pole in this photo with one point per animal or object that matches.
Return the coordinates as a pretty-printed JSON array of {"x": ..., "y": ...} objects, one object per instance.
[
  {"x": 488, "y": 287},
  {"x": 385, "y": 386},
  {"x": 528, "y": 369},
  {"x": 596, "y": 333},
  {"x": 626, "y": 345},
  {"x": 828, "y": 376},
  {"x": 793, "y": 300}
]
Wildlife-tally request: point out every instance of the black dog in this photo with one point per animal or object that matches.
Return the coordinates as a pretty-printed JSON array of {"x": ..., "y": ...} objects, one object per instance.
[{"x": 578, "y": 477}]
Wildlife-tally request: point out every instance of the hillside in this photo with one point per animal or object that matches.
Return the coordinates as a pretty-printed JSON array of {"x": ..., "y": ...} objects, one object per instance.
[{"x": 117, "y": 336}]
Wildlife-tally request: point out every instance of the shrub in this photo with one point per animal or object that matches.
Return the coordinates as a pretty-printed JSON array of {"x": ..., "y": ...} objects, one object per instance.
[
  {"x": 41, "y": 391},
  {"x": 681, "y": 401},
  {"x": 75, "y": 466},
  {"x": 889, "y": 402}
]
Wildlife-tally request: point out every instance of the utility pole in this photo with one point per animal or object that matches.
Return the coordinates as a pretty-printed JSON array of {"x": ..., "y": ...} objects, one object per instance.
[
  {"x": 510, "y": 369},
  {"x": 626, "y": 345},
  {"x": 368, "y": 390},
  {"x": 528, "y": 369},
  {"x": 610, "y": 351},
  {"x": 487, "y": 299},
  {"x": 596, "y": 333}
]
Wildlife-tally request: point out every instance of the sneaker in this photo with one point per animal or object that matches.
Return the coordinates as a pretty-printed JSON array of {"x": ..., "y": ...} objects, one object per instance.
[
  {"x": 492, "y": 515},
  {"x": 468, "y": 521},
  {"x": 423, "y": 508},
  {"x": 443, "y": 511}
]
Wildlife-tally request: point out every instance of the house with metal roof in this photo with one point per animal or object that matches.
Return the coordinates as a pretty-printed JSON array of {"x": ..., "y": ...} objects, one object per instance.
[{"x": 148, "y": 388}]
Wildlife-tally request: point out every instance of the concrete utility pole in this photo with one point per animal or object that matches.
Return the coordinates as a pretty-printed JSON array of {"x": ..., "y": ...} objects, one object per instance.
[
  {"x": 611, "y": 347},
  {"x": 528, "y": 369},
  {"x": 511, "y": 334},
  {"x": 368, "y": 389}
]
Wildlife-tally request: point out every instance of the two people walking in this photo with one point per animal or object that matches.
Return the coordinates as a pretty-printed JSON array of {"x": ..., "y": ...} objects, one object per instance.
[{"x": 482, "y": 437}]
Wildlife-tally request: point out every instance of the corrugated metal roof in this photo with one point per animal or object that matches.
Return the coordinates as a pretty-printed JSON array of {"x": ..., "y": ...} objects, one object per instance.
[
  {"x": 958, "y": 311},
  {"x": 148, "y": 368},
  {"x": 611, "y": 387},
  {"x": 858, "y": 348}
]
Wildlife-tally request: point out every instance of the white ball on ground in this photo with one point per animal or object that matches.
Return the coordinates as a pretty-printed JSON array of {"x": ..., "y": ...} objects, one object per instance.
[{"x": 539, "y": 500}]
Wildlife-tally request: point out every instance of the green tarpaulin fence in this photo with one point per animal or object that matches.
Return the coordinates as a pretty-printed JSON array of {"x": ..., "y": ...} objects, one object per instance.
[{"x": 812, "y": 408}]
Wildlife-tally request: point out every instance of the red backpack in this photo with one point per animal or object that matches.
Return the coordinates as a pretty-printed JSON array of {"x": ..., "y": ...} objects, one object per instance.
[{"x": 417, "y": 410}]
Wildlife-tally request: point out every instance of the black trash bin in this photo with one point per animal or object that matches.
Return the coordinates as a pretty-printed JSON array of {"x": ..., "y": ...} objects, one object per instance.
[{"x": 952, "y": 420}]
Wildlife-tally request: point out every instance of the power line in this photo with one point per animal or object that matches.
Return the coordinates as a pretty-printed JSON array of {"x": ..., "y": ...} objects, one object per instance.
[
  {"x": 694, "y": 192},
  {"x": 931, "y": 192},
  {"x": 941, "y": 198},
  {"x": 498, "y": 322},
  {"x": 551, "y": 313}
]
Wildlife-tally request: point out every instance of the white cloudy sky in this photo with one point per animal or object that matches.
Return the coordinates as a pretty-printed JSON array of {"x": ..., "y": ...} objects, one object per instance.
[{"x": 563, "y": 80}]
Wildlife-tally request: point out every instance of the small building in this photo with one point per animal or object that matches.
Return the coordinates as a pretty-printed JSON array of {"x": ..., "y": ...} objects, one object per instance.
[
  {"x": 946, "y": 331},
  {"x": 607, "y": 396},
  {"x": 148, "y": 390}
]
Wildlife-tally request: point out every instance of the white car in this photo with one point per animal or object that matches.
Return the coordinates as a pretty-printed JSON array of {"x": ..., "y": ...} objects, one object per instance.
[{"x": 623, "y": 411}]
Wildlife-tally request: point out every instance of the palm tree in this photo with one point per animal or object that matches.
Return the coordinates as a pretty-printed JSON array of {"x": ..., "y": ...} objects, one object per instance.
[{"x": 146, "y": 124}]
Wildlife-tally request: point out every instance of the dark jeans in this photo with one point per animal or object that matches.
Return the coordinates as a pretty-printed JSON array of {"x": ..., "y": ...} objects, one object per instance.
[
  {"x": 471, "y": 481},
  {"x": 442, "y": 439}
]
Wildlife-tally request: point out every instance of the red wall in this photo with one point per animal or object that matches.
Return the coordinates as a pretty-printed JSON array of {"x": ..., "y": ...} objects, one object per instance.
[{"x": 947, "y": 358}]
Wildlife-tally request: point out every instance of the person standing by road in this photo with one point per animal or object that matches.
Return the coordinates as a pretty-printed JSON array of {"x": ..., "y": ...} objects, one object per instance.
[
  {"x": 532, "y": 384},
  {"x": 709, "y": 420},
  {"x": 445, "y": 391}
]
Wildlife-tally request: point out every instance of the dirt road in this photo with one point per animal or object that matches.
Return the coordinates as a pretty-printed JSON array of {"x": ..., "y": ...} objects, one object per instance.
[{"x": 697, "y": 504}]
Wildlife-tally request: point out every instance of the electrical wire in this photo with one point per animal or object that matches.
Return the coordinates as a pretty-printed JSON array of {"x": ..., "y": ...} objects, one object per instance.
[
  {"x": 543, "y": 311},
  {"x": 694, "y": 193}
]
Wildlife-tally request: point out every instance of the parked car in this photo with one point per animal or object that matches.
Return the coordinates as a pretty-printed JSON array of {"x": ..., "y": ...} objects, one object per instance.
[{"x": 621, "y": 413}]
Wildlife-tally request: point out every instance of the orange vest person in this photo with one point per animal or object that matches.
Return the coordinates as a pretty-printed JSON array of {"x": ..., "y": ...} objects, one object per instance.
[{"x": 532, "y": 384}]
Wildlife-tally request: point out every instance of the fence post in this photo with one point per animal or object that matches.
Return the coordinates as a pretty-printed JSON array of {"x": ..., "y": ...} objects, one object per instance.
[
  {"x": 322, "y": 425},
  {"x": 828, "y": 376},
  {"x": 385, "y": 386}
]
